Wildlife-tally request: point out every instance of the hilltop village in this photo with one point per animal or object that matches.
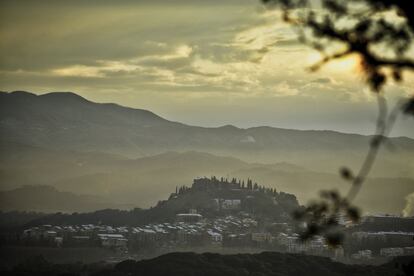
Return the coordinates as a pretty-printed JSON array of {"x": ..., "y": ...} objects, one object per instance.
[{"x": 216, "y": 215}]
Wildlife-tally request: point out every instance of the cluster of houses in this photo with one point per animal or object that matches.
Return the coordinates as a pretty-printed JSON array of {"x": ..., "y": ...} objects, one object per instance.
[
  {"x": 190, "y": 230},
  {"x": 76, "y": 236},
  {"x": 383, "y": 243},
  {"x": 381, "y": 236},
  {"x": 387, "y": 252}
]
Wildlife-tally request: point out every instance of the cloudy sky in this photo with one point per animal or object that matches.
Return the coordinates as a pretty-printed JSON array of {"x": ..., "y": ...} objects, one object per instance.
[{"x": 206, "y": 63}]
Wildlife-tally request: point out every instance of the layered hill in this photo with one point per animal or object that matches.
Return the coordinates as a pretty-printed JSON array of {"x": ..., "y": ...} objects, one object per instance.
[
  {"x": 49, "y": 199},
  {"x": 142, "y": 182}
]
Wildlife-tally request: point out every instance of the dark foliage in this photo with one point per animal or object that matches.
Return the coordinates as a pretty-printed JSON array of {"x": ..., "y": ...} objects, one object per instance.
[{"x": 322, "y": 217}]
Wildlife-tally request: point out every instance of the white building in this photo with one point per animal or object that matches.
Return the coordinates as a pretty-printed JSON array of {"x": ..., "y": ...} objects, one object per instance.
[
  {"x": 362, "y": 255},
  {"x": 113, "y": 240},
  {"x": 391, "y": 252}
]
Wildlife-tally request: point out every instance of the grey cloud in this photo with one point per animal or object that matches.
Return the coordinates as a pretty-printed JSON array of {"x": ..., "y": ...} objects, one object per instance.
[
  {"x": 229, "y": 53},
  {"x": 49, "y": 35},
  {"x": 171, "y": 64},
  {"x": 287, "y": 42},
  {"x": 322, "y": 80}
]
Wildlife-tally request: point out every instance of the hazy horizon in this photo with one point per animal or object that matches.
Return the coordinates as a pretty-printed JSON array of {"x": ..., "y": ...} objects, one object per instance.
[{"x": 118, "y": 153}]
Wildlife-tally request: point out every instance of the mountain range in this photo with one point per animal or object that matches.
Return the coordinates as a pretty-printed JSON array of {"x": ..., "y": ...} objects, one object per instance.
[
  {"x": 66, "y": 121},
  {"x": 133, "y": 157}
]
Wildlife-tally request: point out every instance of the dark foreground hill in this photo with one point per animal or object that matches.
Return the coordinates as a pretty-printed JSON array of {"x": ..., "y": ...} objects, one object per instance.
[
  {"x": 208, "y": 264},
  {"x": 266, "y": 263}
]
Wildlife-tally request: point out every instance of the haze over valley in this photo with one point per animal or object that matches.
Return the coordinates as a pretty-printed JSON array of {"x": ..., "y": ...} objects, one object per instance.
[{"x": 119, "y": 157}]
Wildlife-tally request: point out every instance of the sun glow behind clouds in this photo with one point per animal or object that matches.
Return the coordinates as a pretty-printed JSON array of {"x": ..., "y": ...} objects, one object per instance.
[
  {"x": 348, "y": 64},
  {"x": 351, "y": 63},
  {"x": 79, "y": 70}
]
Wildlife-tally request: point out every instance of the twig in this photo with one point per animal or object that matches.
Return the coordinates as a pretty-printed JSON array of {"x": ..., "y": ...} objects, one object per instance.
[{"x": 384, "y": 126}]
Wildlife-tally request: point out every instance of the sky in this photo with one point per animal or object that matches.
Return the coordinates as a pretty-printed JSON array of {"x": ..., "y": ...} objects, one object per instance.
[{"x": 207, "y": 63}]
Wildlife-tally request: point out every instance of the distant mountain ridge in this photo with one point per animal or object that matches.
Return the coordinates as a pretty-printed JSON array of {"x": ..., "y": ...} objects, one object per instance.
[
  {"x": 55, "y": 101},
  {"x": 66, "y": 121}
]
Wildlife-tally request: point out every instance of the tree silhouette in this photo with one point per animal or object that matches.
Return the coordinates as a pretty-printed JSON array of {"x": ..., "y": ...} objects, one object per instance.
[{"x": 380, "y": 33}]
